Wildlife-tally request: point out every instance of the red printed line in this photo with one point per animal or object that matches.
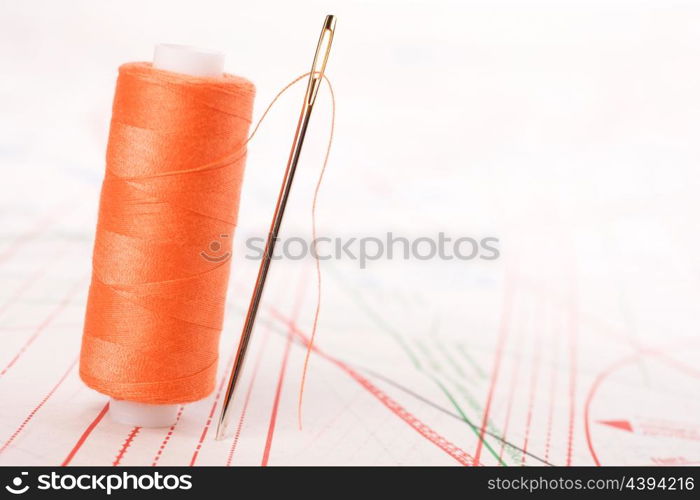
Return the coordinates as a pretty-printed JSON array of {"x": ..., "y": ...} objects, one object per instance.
[
  {"x": 592, "y": 393},
  {"x": 573, "y": 326},
  {"x": 533, "y": 390},
  {"x": 275, "y": 406},
  {"x": 30, "y": 281},
  {"x": 679, "y": 365},
  {"x": 85, "y": 435},
  {"x": 34, "y": 411},
  {"x": 552, "y": 392},
  {"x": 167, "y": 437},
  {"x": 210, "y": 417},
  {"x": 49, "y": 319},
  {"x": 30, "y": 235},
  {"x": 207, "y": 424},
  {"x": 511, "y": 393},
  {"x": 451, "y": 449},
  {"x": 331, "y": 423},
  {"x": 602, "y": 376},
  {"x": 502, "y": 336},
  {"x": 244, "y": 411},
  {"x": 278, "y": 393},
  {"x": 122, "y": 451}
]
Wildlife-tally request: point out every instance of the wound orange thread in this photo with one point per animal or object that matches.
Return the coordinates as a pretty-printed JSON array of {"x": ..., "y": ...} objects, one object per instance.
[{"x": 175, "y": 164}]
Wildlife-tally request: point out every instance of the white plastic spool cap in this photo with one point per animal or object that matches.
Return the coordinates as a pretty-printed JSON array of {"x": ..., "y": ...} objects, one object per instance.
[
  {"x": 194, "y": 62},
  {"x": 188, "y": 60}
]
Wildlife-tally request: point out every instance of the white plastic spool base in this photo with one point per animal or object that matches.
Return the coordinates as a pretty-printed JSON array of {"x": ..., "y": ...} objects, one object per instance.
[{"x": 193, "y": 62}]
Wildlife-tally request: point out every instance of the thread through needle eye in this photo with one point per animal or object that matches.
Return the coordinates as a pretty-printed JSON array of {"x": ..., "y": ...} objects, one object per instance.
[{"x": 318, "y": 68}]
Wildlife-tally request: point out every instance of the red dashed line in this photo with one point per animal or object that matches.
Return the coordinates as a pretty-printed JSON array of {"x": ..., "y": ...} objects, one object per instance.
[
  {"x": 600, "y": 378},
  {"x": 219, "y": 391},
  {"x": 125, "y": 446},
  {"x": 36, "y": 231},
  {"x": 206, "y": 425},
  {"x": 53, "y": 315},
  {"x": 502, "y": 337},
  {"x": 275, "y": 406},
  {"x": 31, "y": 280},
  {"x": 167, "y": 437},
  {"x": 572, "y": 378},
  {"x": 210, "y": 417},
  {"x": 85, "y": 435},
  {"x": 552, "y": 392},
  {"x": 511, "y": 392},
  {"x": 32, "y": 413},
  {"x": 278, "y": 393},
  {"x": 330, "y": 424},
  {"x": 533, "y": 390},
  {"x": 244, "y": 411},
  {"x": 591, "y": 394},
  {"x": 454, "y": 451},
  {"x": 451, "y": 449}
]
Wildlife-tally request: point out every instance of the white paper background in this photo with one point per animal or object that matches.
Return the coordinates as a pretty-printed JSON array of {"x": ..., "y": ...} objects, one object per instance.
[{"x": 566, "y": 129}]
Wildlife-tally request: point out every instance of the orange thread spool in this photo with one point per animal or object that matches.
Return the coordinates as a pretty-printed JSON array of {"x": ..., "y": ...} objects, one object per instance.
[{"x": 175, "y": 164}]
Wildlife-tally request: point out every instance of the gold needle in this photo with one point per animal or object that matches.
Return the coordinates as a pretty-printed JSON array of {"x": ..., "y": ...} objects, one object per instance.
[{"x": 318, "y": 68}]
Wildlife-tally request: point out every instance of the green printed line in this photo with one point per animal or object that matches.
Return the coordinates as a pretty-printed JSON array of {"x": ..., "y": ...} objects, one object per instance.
[
  {"x": 490, "y": 426},
  {"x": 379, "y": 321},
  {"x": 441, "y": 347},
  {"x": 462, "y": 350},
  {"x": 432, "y": 362},
  {"x": 360, "y": 302},
  {"x": 467, "y": 421}
]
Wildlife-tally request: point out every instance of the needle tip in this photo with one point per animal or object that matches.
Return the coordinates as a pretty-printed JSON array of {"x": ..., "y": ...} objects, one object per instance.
[
  {"x": 221, "y": 428},
  {"x": 219, "y": 434}
]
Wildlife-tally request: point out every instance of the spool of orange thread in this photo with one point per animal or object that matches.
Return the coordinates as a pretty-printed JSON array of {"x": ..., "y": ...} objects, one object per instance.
[{"x": 163, "y": 244}]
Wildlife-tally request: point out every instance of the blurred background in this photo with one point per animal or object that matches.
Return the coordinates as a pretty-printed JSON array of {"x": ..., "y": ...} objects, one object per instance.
[{"x": 566, "y": 129}]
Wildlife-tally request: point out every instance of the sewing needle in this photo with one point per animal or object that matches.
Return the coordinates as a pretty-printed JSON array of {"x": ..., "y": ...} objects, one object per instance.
[{"x": 315, "y": 79}]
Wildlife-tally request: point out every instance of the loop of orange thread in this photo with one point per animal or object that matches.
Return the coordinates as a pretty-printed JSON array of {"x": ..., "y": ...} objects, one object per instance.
[
  {"x": 175, "y": 164},
  {"x": 317, "y": 189},
  {"x": 317, "y": 311}
]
